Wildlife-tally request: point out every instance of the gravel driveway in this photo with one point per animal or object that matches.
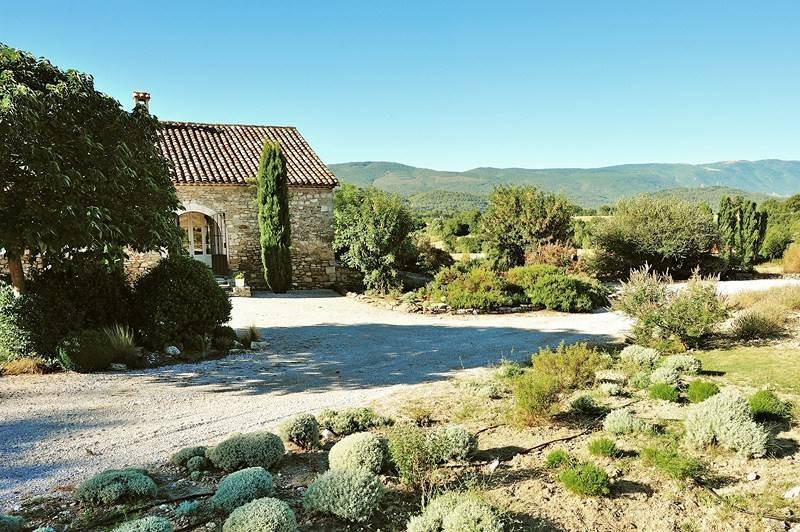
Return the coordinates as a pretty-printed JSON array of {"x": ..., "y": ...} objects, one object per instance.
[{"x": 324, "y": 351}]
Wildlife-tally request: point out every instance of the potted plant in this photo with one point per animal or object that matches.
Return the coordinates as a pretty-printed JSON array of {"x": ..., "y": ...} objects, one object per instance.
[{"x": 239, "y": 279}]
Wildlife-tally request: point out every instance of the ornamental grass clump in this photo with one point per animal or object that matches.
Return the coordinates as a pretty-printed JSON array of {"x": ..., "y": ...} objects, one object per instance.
[
  {"x": 585, "y": 479},
  {"x": 302, "y": 430},
  {"x": 698, "y": 391},
  {"x": 456, "y": 512},
  {"x": 351, "y": 420},
  {"x": 252, "y": 449},
  {"x": 362, "y": 451},
  {"x": 764, "y": 404},
  {"x": 603, "y": 447},
  {"x": 672, "y": 462},
  {"x": 115, "y": 485},
  {"x": 261, "y": 515},
  {"x": 664, "y": 392},
  {"x": 682, "y": 363},
  {"x": 241, "y": 487},
  {"x": 621, "y": 421},
  {"x": 350, "y": 495},
  {"x": 146, "y": 524},
  {"x": 725, "y": 420},
  {"x": 637, "y": 358},
  {"x": 763, "y": 320}
]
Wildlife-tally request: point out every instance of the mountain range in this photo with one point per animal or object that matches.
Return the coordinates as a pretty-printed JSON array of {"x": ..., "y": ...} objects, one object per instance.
[{"x": 588, "y": 187}]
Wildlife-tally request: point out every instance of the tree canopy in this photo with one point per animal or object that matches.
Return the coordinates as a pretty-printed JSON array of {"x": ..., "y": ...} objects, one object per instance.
[{"x": 79, "y": 173}]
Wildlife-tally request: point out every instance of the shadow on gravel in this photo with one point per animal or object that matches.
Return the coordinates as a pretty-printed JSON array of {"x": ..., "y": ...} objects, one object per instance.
[{"x": 330, "y": 356}]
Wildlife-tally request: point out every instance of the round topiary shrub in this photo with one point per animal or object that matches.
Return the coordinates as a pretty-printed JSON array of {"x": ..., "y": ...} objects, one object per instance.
[
  {"x": 261, "y": 515},
  {"x": 452, "y": 442},
  {"x": 454, "y": 512},
  {"x": 568, "y": 293},
  {"x": 146, "y": 524},
  {"x": 253, "y": 449},
  {"x": 181, "y": 457},
  {"x": 350, "y": 495},
  {"x": 114, "y": 485},
  {"x": 302, "y": 430},
  {"x": 362, "y": 451},
  {"x": 241, "y": 487},
  {"x": 176, "y": 300}
]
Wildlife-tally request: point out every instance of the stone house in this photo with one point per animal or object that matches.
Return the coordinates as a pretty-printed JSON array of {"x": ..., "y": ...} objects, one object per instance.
[{"x": 213, "y": 170}]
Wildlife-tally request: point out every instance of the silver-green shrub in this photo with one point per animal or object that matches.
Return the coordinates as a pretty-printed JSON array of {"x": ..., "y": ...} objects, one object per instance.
[
  {"x": 146, "y": 524},
  {"x": 725, "y": 419},
  {"x": 241, "y": 487},
  {"x": 261, "y": 515},
  {"x": 350, "y": 495},
  {"x": 197, "y": 463},
  {"x": 302, "y": 430},
  {"x": 362, "y": 451},
  {"x": 40, "y": 529},
  {"x": 665, "y": 375},
  {"x": 682, "y": 363},
  {"x": 640, "y": 380},
  {"x": 187, "y": 508},
  {"x": 113, "y": 485},
  {"x": 456, "y": 512},
  {"x": 452, "y": 442},
  {"x": 247, "y": 450},
  {"x": 621, "y": 421},
  {"x": 351, "y": 420},
  {"x": 184, "y": 455},
  {"x": 637, "y": 356},
  {"x": 610, "y": 388}
]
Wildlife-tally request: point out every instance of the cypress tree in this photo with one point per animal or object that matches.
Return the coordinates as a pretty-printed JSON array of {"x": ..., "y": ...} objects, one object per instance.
[
  {"x": 273, "y": 218},
  {"x": 742, "y": 228}
]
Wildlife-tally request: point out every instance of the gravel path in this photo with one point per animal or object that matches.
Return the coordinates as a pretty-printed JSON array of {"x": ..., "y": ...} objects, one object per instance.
[{"x": 324, "y": 351}]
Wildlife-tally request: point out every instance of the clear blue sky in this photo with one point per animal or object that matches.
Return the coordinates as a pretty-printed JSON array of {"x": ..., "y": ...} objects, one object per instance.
[{"x": 451, "y": 85}]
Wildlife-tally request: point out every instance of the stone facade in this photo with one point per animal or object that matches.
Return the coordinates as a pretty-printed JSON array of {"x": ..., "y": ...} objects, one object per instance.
[{"x": 311, "y": 215}]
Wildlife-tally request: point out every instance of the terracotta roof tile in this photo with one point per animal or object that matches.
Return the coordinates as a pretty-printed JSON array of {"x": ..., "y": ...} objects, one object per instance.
[{"x": 227, "y": 154}]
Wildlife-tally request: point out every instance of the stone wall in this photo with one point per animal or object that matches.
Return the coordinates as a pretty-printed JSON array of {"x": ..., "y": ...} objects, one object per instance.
[{"x": 311, "y": 215}]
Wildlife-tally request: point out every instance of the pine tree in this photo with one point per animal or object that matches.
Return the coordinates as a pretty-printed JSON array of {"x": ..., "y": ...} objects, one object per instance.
[
  {"x": 742, "y": 228},
  {"x": 273, "y": 218}
]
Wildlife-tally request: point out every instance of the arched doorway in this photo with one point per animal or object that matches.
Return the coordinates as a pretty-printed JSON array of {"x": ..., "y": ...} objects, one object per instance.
[{"x": 204, "y": 239}]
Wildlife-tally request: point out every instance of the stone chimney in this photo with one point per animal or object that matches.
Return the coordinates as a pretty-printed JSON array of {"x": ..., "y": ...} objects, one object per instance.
[{"x": 142, "y": 98}]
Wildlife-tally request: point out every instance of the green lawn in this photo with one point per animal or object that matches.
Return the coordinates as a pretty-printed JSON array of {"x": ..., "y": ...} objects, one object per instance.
[{"x": 757, "y": 366}]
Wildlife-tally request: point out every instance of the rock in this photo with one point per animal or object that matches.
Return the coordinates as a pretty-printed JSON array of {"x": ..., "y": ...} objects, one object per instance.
[
  {"x": 751, "y": 476},
  {"x": 792, "y": 493},
  {"x": 325, "y": 434},
  {"x": 116, "y": 366},
  {"x": 259, "y": 346},
  {"x": 172, "y": 351}
]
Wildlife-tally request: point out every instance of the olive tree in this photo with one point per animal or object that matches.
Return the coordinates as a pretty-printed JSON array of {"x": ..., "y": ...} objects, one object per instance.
[{"x": 77, "y": 171}]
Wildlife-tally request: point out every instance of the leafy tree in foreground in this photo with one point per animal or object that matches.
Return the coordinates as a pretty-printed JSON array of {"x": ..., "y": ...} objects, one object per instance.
[
  {"x": 520, "y": 219},
  {"x": 273, "y": 218},
  {"x": 370, "y": 227},
  {"x": 742, "y": 229},
  {"x": 78, "y": 171}
]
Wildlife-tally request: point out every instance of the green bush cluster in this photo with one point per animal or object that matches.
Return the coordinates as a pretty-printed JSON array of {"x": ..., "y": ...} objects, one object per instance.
[
  {"x": 351, "y": 420},
  {"x": 252, "y": 449},
  {"x": 568, "y": 293},
  {"x": 261, "y": 515},
  {"x": 362, "y": 451},
  {"x": 639, "y": 380},
  {"x": 115, "y": 485},
  {"x": 621, "y": 421},
  {"x": 725, "y": 419},
  {"x": 603, "y": 447},
  {"x": 302, "y": 430},
  {"x": 414, "y": 452},
  {"x": 241, "y": 487},
  {"x": 350, "y": 495},
  {"x": 664, "y": 392},
  {"x": 456, "y": 512},
  {"x": 557, "y": 458},
  {"x": 698, "y": 391},
  {"x": 11, "y": 523},
  {"x": 764, "y": 404},
  {"x": 182, "y": 457},
  {"x": 523, "y": 278},
  {"x": 146, "y": 524},
  {"x": 535, "y": 397},
  {"x": 672, "y": 462},
  {"x": 585, "y": 405},
  {"x": 176, "y": 300},
  {"x": 585, "y": 479},
  {"x": 476, "y": 288}
]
